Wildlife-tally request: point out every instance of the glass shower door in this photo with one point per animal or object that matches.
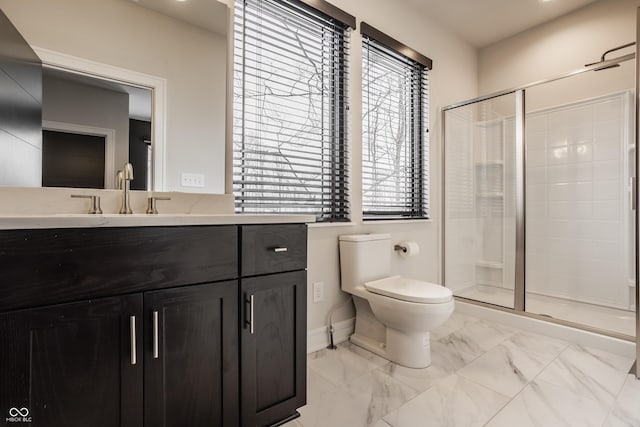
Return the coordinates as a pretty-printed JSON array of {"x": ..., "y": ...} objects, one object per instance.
[{"x": 479, "y": 200}]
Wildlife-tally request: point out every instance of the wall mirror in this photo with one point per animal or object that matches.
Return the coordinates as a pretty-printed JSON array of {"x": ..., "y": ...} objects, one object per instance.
[{"x": 108, "y": 65}]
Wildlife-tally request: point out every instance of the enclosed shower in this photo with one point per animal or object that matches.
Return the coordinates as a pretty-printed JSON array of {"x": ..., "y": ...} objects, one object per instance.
[{"x": 538, "y": 208}]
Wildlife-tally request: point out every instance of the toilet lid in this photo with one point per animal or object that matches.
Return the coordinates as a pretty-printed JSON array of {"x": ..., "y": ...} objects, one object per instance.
[{"x": 412, "y": 290}]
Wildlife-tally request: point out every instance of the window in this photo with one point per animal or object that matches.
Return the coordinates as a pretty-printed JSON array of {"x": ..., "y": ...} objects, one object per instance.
[
  {"x": 290, "y": 108},
  {"x": 395, "y": 138}
]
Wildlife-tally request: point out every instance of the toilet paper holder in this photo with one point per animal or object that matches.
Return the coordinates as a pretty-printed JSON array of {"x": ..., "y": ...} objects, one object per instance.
[
  {"x": 407, "y": 249},
  {"x": 400, "y": 248}
]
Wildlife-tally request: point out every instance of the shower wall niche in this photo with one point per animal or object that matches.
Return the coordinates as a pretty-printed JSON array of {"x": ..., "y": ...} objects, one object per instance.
[{"x": 489, "y": 191}]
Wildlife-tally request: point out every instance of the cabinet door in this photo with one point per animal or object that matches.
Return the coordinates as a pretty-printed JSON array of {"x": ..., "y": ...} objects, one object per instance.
[
  {"x": 274, "y": 343},
  {"x": 73, "y": 364},
  {"x": 191, "y": 356}
]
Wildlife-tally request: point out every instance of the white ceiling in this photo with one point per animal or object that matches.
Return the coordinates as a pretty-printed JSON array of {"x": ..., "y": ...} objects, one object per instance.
[
  {"x": 208, "y": 14},
  {"x": 479, "y": 22},
  {"x": 483, "y": 22}
]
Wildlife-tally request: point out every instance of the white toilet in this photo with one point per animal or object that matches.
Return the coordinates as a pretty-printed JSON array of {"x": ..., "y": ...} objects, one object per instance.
[{"x": 394, "y": 314}]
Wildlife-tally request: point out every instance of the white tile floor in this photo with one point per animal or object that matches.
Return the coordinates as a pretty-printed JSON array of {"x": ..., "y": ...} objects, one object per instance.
[
  {"x": 482, "y": 373},
  {"x": 607, "y": 318}
]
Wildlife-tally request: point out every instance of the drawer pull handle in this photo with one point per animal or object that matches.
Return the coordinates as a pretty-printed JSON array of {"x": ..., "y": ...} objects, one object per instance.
[
  {"x": 156, "y": 352},
  {"x": 132, "y": 325},
  {"x": 278, "y": 250}
]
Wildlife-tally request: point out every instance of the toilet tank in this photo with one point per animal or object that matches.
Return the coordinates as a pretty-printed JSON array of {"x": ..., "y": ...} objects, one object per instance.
[{"x": 364, "y": 257}]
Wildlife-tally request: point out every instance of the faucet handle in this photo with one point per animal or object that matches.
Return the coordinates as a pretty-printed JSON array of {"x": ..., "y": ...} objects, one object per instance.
[
  {"x": 152, "y": 205},
  {"x": 95, "y": 202},
  {"x": 127, "y": 171},
  {"x": 119, "y": 180}
]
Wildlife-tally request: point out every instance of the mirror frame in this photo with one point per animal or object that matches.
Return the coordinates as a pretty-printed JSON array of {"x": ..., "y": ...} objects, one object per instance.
[{"x": 157, "y": 85}]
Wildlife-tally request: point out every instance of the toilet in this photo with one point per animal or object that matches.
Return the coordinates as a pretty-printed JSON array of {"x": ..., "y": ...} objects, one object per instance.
[{"x": 394, "y": 314}]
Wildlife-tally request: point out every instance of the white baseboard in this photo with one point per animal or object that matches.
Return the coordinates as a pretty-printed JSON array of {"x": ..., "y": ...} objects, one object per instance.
[
  {"x": 573, "y": 335},
  {"x": 317, "y": 339}
]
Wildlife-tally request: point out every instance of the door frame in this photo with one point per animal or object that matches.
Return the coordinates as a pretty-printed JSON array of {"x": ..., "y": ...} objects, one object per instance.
[
  {"x": 635, "y": 193},
  {"x": 157, "y": 85},
  {"x": 109, "y": 144}
]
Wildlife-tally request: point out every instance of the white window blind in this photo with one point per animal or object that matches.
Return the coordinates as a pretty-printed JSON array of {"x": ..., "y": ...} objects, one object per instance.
[
  {"x": 395, "y": 140},
  {"x": 290, "y": 110}
]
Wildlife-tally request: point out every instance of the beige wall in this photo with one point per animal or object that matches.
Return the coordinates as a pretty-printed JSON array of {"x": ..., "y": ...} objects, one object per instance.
[
  {"x": 109, "y": 35},
  {"x": 453, "y": 78},
  {"x": 120, "y": 33},
  {"x": 560, "y": 46}
]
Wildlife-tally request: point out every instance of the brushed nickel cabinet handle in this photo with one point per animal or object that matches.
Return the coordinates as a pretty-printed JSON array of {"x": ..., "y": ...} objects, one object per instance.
[
  {"x": 156, "y": 352},
  {"x": 250, "y": 321},
  {"x": 278, "y": 250},
  {"x": 132, "y": 325}
]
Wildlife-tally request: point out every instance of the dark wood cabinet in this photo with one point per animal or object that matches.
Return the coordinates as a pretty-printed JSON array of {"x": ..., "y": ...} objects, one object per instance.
[
  {"x": 273, "y": 352},
  {"x": 151, "y": 326},
  {"x": 73, "y": 364},
  {"x": 82, "y": 364},
  {"x": 191, "y": 356}
]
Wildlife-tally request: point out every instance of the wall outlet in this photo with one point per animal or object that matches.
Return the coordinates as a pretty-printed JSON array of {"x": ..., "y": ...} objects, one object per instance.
[
  {"x": 192, "y": 179},
  {"x": 318, "y": 292}
]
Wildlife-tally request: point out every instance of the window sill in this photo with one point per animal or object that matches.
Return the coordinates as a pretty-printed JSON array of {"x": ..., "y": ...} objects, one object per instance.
[
  {"x": 396, "y": 221},
  {"x": 369, "y": 222},
  {"x": 332, "y": 224}
]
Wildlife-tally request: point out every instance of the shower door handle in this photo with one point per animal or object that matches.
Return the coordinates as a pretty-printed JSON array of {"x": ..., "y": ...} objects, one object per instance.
[{"x": 633, "y": 197}]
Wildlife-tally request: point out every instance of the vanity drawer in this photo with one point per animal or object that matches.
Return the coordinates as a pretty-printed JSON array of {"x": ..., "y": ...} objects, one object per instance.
[
  {"x": 273, "y": 248},
  {"x": 50, "y": 266}
]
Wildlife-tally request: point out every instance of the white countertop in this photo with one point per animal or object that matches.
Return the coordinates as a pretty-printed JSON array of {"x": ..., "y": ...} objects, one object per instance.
[{"x": 15, "y": 222}]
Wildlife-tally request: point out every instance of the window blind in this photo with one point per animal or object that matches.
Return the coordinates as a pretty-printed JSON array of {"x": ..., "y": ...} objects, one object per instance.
[
  {"x": 395, "y": 140},
  {"x": 290, "y": 105}
]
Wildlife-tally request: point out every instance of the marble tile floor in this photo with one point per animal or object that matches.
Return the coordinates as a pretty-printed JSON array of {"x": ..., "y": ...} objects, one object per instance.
[
  {"x": 607, "y": 318},
  {"x": 482, "y": 373}
]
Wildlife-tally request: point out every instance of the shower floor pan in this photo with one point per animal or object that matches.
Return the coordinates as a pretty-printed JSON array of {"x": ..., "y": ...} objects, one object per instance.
[{"x": 611, "y": 319}]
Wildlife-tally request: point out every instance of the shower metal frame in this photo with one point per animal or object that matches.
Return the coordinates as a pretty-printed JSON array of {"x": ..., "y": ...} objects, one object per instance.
[
  {"x": 634, "y": 191},
  {"x": 520, "y": 185}
]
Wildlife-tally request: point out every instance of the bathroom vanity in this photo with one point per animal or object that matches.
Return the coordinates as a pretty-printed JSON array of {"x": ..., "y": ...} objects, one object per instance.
[{"x": 200, "y": 324}]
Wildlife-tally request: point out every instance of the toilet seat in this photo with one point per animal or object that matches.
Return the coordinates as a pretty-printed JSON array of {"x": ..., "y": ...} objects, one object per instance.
[{"x": 411, "y": 290}]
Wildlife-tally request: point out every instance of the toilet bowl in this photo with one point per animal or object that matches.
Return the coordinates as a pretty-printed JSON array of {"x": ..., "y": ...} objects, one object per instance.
[{"x": 394, "y": 314}]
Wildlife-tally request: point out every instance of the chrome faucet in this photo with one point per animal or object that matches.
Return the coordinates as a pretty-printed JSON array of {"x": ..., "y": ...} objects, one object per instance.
[{"x": 124, "y": 178}]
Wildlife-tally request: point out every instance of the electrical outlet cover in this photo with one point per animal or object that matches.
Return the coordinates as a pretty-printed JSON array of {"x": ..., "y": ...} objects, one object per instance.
[{"x": 192, "y": 180}]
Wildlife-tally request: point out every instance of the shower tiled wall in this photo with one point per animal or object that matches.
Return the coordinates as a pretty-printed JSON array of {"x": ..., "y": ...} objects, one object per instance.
[{"x": 577, "y": 211}]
